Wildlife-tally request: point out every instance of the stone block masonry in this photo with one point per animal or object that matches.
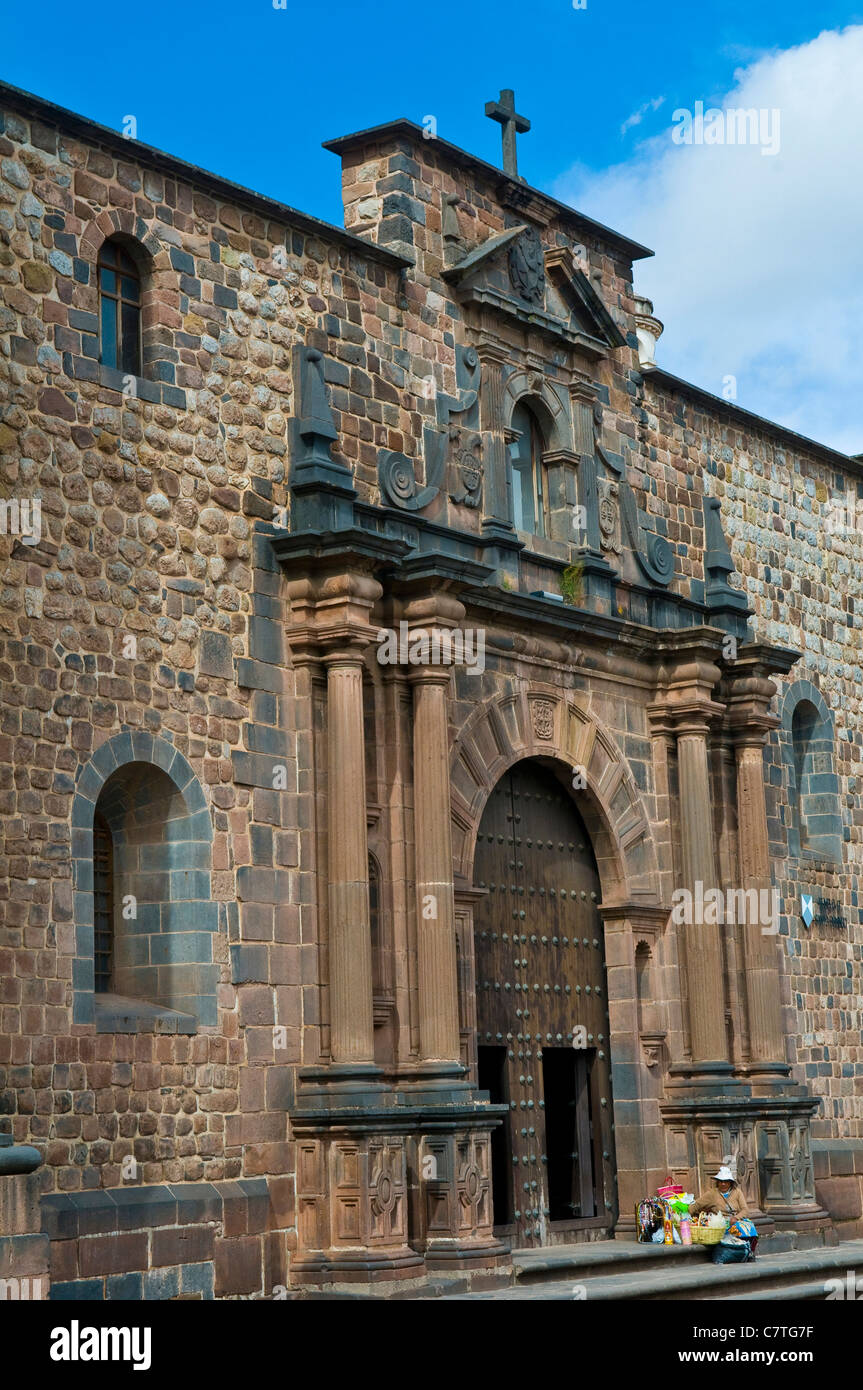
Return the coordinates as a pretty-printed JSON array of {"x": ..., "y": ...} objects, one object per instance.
[
  {"x": 186, "y": 1240},
  {"x": 219, "y": 815}
]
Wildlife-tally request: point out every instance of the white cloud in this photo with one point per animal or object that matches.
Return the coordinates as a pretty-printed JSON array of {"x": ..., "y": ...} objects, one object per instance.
[
  {"x": 758, "y": 270},
  {"x": 638, "y": 116}
]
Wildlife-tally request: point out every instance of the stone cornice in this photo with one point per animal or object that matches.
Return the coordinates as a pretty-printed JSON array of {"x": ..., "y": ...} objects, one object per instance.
[{"x": 652, "y": 916}]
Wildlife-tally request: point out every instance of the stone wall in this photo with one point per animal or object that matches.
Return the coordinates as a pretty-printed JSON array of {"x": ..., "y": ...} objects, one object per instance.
[
  {"x": 793, "y": 515},
  {"x": 150, "y": 496},
  {"x": 158, "y": 501}
]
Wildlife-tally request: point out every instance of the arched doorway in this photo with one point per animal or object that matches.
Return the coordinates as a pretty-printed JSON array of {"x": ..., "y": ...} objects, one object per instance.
[{"x": 542, "y": 1012}]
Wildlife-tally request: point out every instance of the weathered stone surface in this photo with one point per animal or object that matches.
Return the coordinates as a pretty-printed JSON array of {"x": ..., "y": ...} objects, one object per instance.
[{"x": 150, "y": 625}]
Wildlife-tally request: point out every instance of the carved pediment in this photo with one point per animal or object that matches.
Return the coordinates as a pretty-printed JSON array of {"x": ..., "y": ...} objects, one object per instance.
[{"x": 544, "y": 290}]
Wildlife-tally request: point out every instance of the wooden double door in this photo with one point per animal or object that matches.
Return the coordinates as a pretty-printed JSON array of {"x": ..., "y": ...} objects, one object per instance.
[{"x": 542, "y": 1012}]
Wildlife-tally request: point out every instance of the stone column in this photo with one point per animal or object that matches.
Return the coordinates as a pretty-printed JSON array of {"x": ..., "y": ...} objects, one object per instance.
[
  {"x": 438, "y": 988},
  {"x": 766, "y": 1039},
  {"x": 350, "y": 950},
  {"x": 704, "y": 963},
  {"x": 435, "y": 912}
]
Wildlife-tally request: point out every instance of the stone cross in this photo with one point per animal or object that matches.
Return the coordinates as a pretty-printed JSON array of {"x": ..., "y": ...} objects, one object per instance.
[{"x": 511, "y": 124}]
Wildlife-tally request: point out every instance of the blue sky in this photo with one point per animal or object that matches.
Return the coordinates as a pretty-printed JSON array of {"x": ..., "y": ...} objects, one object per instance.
[{"x": 250, "y": 92}]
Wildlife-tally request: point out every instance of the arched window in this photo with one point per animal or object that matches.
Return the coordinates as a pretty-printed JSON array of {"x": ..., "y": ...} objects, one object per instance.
[
  {"x": 529, "y": 489},
  {"x": 119, "y": 310},
  {"x": 803, "y": 726},
  {"x": 814, "y": 814}
]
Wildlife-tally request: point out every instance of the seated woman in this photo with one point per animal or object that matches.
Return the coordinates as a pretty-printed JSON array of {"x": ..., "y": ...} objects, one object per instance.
[{"x": 726, "y": 1197}]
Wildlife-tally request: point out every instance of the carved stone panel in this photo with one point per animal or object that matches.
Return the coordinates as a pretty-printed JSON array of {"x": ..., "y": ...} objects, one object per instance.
[
  {"x": 802, "y": 1172},
  {"x": 609, "y": 515},
  {"x": 542, "y": 713},
  {"x": 465, "y": 467},
  {"x": 387, "y": 1191},
  {"x": 527, "y": 267}
]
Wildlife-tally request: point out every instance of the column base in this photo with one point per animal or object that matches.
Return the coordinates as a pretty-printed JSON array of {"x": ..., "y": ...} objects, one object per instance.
[
  {"x": 364, "y": 1267},
  {"x": 766, "y": 1138},
  {"x": 392, "y": 1183}
]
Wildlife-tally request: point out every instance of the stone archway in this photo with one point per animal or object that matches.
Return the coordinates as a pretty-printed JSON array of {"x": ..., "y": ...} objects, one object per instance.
[
  {"x": 536, "y": 390},
  {"x": 538, "y": 721},
  {"x": 542, "y": 1011}
]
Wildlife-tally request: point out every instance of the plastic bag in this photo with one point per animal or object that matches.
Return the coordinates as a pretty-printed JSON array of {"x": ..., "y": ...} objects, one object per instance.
[{"x": 745, "y": 1228}]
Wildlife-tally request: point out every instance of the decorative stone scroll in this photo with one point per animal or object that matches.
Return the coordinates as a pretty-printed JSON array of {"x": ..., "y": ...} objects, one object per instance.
[
  {"x": 443, "y": 444},
  {"x": 652, "y": 551}
]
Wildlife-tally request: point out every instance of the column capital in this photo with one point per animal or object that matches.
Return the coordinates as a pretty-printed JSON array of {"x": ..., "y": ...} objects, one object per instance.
[
  {"x": 751, "y": 733},
  {"x": 342, "y": 650},
  {"x": 330, "y": 612},
  {"x": 688, "y": 675},
  {"x": 651, "y": 918},
  {"x": 433, "y": 610},
  {"x": 583, "y": 391},
  {"x": 492, "y": 351},
  {"x": 430, "y": 675},
  {"x": 749, "y": 691},
  {"x": 692, "y": 717}
]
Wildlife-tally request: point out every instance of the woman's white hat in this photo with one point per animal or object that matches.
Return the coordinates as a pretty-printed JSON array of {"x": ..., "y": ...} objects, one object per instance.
[{"x": 724, "y": 1175}]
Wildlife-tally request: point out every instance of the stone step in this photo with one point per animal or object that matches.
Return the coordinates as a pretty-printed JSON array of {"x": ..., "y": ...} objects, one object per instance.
[
  {"x": 799, "y": 1293},
  {"x": 796, "y": 1273},
  {"x": 601, "y": 1256}
]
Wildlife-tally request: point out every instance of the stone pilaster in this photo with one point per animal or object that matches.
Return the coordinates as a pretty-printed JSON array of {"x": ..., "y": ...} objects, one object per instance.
[
  {"x": 497, "y": 497},
  {"x": 583, "y": 397},
  {"x": 330, "y": 623},
  {"x": 689, "y": 708},
  {"x": 704, "y": 963},
  {"x": 750, "y": 693},
  {"x": 637, "y": 1038},
  {"x": 766, "y": 1041}
]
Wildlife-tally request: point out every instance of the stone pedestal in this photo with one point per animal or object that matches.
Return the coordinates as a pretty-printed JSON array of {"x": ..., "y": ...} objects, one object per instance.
[
  {"x": 24, "y": 1249},
  {"x": 391, "y": 1186}
]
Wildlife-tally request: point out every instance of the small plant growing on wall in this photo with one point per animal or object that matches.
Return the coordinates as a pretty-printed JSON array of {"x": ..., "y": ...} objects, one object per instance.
[{"x": 572, "y": 583}]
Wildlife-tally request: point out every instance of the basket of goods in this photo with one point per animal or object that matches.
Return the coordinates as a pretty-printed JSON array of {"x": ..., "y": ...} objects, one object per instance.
[
  {"x": 669, "y": 1190},
  {"x": 709, "y": 1229}
]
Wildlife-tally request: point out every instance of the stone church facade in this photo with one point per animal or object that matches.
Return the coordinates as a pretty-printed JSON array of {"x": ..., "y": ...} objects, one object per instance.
[{"x": 388, "y": 647}]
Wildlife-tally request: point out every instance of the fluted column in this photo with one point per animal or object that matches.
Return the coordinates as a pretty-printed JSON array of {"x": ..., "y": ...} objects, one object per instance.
[
  {"x": 704, "y": 963},
  {"x": 350, "y": 949},
  {"x": 766, "y": 1039},
  {"x": 436, "y": 956}
]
